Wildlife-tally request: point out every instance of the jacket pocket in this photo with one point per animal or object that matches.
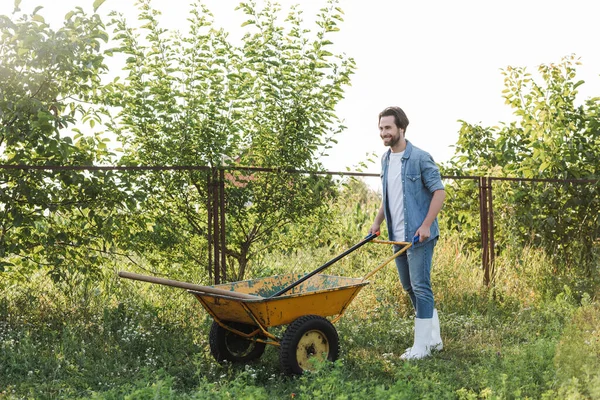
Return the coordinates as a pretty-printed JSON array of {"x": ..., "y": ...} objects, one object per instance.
[{"x": 413, "y": 177}]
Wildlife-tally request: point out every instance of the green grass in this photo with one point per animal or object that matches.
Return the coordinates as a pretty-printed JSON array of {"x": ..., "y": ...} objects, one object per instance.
[{"x": 530, "y": 336}]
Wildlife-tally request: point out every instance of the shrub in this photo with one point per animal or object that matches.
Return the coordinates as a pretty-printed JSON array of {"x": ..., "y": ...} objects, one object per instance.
[{"x": 577, "y": 358}]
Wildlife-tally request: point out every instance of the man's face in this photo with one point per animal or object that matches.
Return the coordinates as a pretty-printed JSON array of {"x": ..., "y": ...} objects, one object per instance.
[{"x": 389, "y": 132}]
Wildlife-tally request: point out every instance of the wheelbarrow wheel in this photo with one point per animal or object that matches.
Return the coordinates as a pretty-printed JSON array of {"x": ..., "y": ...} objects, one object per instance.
[
  {"x": 226, "y": 345},
  {"x": 308, "y": 337}
]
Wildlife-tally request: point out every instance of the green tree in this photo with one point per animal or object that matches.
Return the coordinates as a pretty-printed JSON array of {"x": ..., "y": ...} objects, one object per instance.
[
  {"x": 198, "y": 99},
  {"x": 59, "y": 219},
  {"x": 552, "y": 137}
]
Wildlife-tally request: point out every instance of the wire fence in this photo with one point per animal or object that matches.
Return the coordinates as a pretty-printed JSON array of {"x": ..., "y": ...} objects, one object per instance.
[{"x": 202, "y": 196}]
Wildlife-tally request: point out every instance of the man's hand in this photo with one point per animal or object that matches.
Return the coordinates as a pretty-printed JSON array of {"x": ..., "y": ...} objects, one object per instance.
[
  {"x": 374, "y": 229},
  {"x": 423, "y": 233}
]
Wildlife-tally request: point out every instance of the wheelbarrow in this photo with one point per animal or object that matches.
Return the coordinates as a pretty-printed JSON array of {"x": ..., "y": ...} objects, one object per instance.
[{"x": 242, "y": 311}]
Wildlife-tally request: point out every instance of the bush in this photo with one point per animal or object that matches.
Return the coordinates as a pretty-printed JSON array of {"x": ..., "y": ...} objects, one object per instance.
[{"x": 577, "y": 358}]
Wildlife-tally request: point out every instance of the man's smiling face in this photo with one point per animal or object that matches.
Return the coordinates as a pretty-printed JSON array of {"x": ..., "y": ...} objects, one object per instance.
[{"x": 389, "y": 132}]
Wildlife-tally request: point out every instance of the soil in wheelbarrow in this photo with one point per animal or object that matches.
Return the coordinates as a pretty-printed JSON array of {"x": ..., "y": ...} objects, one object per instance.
[{"x": 265, "y": 287}]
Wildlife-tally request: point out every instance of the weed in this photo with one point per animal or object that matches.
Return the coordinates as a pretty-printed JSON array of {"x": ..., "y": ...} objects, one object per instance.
[{"x": 526, "y": 337}]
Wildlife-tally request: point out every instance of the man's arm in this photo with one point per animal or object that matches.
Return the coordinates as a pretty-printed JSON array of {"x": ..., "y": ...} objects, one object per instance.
[
  {"x": 378, "y": 220},
  {"x": 437, "y": 201}
]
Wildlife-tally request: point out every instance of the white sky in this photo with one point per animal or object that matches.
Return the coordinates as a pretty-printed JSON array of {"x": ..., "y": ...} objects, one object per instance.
[{"x": 439, "y": 60}]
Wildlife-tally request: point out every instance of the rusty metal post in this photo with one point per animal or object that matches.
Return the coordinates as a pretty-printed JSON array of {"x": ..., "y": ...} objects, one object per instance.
[
  {"x": 491, "y": 242},
  {"x": 222, "y": 224},
  {"x": 486, "y": 217},
  {"x": 215, "y": 227},
  {"x": 215, "y": 205},
  {"x": 483, "y": 218},
  {"x": 209, "y": 211}
]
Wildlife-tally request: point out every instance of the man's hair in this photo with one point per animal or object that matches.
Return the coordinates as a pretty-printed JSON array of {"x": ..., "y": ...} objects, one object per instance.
[{"x": 400, "y": 118}]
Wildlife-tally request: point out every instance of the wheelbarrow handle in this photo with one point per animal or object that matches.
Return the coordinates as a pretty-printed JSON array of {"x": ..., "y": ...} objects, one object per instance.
[
  {"x": 406, "y": 246},
  {"x": 188, "y": 286},
  {"x": 415, "y": 240},
  {"x": 366, "y": 240}
]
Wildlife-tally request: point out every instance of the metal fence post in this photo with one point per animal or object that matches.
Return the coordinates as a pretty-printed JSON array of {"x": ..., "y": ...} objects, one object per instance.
[
  {"x": 222, "y": 223},
  {"x": 216, "y": 225},
  {"x": 491, "y": 242},
  {"x": 486, "y": 217}
]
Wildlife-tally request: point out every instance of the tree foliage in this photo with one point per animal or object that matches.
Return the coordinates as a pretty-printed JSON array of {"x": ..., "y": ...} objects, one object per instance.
[
  {"x": 552, "y": 137},
  {"x": 56, "y": 218},
  {"x": 199, "y": 99}
]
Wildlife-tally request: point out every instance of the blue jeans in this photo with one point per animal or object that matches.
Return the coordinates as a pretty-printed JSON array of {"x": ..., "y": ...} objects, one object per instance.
[{"x": 414, "y": 268}]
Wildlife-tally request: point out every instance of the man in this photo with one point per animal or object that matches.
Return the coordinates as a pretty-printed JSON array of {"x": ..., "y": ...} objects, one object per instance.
[{"x": 413, "y": 195}]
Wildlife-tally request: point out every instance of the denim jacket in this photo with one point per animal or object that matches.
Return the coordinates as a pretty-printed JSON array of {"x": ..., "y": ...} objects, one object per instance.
[{"x": 420, "y": 178}]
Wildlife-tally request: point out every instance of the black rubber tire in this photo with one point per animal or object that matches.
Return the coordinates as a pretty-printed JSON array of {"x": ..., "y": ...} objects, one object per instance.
[
  {"x": 300, "y": 338},
  {"x": 226, "y": 345}
]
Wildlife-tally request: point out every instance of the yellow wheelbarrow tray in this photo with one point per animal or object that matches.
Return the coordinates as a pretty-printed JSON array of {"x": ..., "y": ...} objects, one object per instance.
[{"x": 243, "y": 311}]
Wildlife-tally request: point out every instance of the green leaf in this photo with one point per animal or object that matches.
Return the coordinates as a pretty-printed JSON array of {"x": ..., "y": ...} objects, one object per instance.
[
  {"x": 97, "y": 4},
  {"x": 4, "y": 264},
  {"x": 544, "y": 166},
  {"x": 103, "y": 36},
  {"x": 17, "y": 219}
]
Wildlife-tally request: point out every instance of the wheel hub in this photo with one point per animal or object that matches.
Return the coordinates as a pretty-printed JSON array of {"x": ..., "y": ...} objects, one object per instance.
[{"x": 312, "y": 344}]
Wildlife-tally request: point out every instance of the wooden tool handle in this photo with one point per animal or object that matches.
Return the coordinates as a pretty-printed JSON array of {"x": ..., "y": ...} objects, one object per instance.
[{"x": 186, "y": 285}]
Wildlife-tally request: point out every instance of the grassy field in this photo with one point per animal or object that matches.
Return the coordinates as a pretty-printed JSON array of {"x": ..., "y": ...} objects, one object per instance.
[{"x": 533, "y": 335}]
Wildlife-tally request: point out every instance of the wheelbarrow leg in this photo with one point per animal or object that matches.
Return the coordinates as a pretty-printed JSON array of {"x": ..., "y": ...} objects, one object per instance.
[{"x": 227, "y": 345}]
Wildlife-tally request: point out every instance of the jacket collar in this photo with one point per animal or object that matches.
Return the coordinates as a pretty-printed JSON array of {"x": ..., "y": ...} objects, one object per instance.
[{"x": 406, "y": 154}]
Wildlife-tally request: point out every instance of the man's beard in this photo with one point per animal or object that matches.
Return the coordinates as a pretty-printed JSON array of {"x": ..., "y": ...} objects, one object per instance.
[{"x": 394, "y": 140}]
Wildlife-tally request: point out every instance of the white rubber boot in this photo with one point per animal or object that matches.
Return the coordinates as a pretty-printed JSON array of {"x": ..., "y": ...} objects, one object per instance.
[
  {"x": 436, "y": 338},
  {"x": 422, "y": 344}
]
